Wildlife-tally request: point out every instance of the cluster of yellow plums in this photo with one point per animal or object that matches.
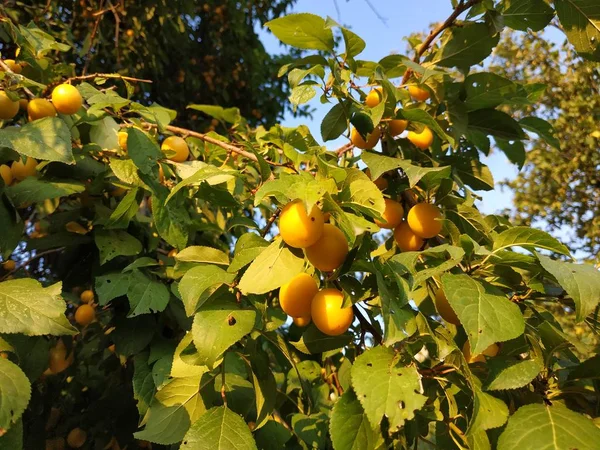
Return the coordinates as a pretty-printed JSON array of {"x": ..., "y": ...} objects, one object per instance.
[{"x": 395, "y": 127}]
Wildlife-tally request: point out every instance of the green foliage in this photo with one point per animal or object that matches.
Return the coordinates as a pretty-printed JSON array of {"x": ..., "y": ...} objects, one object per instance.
[{"x": 189, "y": 346}]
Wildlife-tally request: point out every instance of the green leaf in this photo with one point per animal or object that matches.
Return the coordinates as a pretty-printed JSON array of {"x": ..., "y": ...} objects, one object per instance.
[
  {"x": 349, "y": 427},
  {"x": 12, "y": 227},
  {"x": 581, "y": 22},
  {"x": 466, "y": 46},
  {"x": 230, "y": 115},
  {"x": 302, "y": 94},
  {"x": 211, "y": 174},
  {"x": 334, "y": 123},
  {"x": 385, "y": 387},
  {"x": 247, "y": 249},
  {"x": 548, "y": 427},
  {"x": 13, "y": 439},
  {"x": 305, "y": 31},
  {"x": 528, "y": 238},
  {"x": 113, "y": 243},
  {"x": 263, "y": 380},
  {"x": 124, "y": 212},
  {"x": 171, "y": 222},
  {"x": 194, "y": 393},
  {"x": 146, "y": 296},
  {"x": 525, "y": 15},
  {"x": 495, "y": 123},
  {"x": 143, "y": 384},
  {"x": 199, "y": 283},
  {"x": 488, "y": 90},
  {"x": 32, "y": 190},
  {"x": 581, "y": 281},
  {"x": 514, "y": 151},
  {"x": 104, "y": 133},
  {"x": 133, "y": 334},
  {"x": 15, "y": 392},
  {"x": 511, "y": 374},
  {"x": 110, "y": 286},
  {"x": 217, "y": 326},
  {"x": 45, "y": 139},
  {"x": 542, "y": 128},
  {"x": 126, "y": 171},
  {"x": 474, "y": 174},
  {"x": 311, "y": 430},
  {"x": 488, "y": 412},
  {"x": 379, "y": 164},
  {"x": 423, "y": 117},
  {"x": 200, "y": 254},
  {"x": 164, "y": 424},
  {"x": 275, "y": 266},
  {"x": 272, "y": 436},
  {"x": 314, "y": 341},
  {"x": 291, "y": 187},
  {"x": 360, "y": 193},
  {"x": 27, "y": 307},
  {"x": 142, "y": 150},
  {"x": 484, "y": 311},
  {"x": 354, "y": 44}
]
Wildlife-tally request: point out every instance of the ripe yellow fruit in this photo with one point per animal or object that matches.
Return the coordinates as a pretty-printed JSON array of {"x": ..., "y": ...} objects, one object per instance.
[
  {"x": 418, "y": 94},
  {"x": 327, "y": 312},
  {"x": 358, "y": 141},
  {"x": 491, "y": 351},
  {"x": 177, "y": 145},
  {"x": 57, "y": 360},
  {"x": 21, "y": 171},
  {"x": 423, "y": 220},
  {"x": 66, "y": 99},
  {"x": 9, "y": 265},
  {"x": 380, "y": 182},
  {"x": 422, "y": 140},
  {"x": 112, "y": 348},
  {"x": 444, "y": 308},
  {"x": 298, "y": 229},
  {"x": 122, "y": 136},
  {"x": 172, "y": 253},
  {"x": 392, "y": 216},
  {"x": 85, "y": 314},
  {"x": 330, "y": 251},
  {"x": 374, "y": 97},
  {"x": 38, "y": 108},
  {"x": 302, "y": 322},
  {"x": 87, "y": 296},
  {"x": 8, "y": 108},
  {"x": 6, "y": 174},
  {"x": 407, "y": 240},
  {"x": 397, "y": 126},
  {"x": 130, "y": 32},
  {"x": 12, "y": 65},
  {"x": 296, "y": 296},
  {"x": 76, "y": 438}
]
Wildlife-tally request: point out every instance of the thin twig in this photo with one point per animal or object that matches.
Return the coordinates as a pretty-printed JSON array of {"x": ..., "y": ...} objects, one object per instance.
[
  {"x": 460, "y": 8},
  {"x": 270, "y": 222},
  {"x": 366, "y": 325},
  {"x": 8, "y": 69},
  {"x": 107, "y": 75},
  {"x": 344, "y": 148},
  {"x": 93, "y": 37},
  {"x": 223, "y": 396},
  {"x": 33, "y": 258}
]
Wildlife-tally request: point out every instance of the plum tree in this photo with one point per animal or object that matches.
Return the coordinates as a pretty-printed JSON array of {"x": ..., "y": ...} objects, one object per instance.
[
  {"x": 66, "y": 99},
  {"x": 392, "y": 214},
  {"x": 422, "y": 140},
  {"x": 330, "y": 251},
  {"x": 299, "y": 229},
  {"x": 424, "y": 220},
  {"x": 175, "y": 148},
  {"x": 372, "y": 139},
  {"x": 328, "y": 314},
  {"x": 8, "y": 107},
  {"x": 296, "y": 296},
  {"x": 406, "y": 239},
  {"x": 38, "y": 108}
]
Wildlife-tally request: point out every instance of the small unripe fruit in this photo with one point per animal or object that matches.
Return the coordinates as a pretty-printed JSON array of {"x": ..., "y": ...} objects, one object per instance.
[
  {"x": 21, "y": 171},
  {"x": 130, "y": 32},
  {"x": 423, "y": 220},
  {"x": 85, "y": 314},
  {"x": 327, "y": 312},
  {"x": 418, "y": 94},
  {"x": 491, "y": 351},
  {"x": 392, "y": 216},
  {"x": 178, "y": 146},
  {"x": 76, "y": 438},
  {"x": 422, "y": 140},
  {"x": 66, "y": 99},
  {"x": 358, "y": 141},
  {"x": 9, "y": 265},
  {"x": 38, "y": 108},
  {"x": 374, "y": 97},
  {"x": 330, "y": 251},
  {"x": 406, "y": 240},
  {"x": 8, "y": 107},
  {"x": 6, "y": 174},
  {"x": 397, "y": 126},
  {"x": 87, "y": 296},
  {"x": 302, "y": 322},
  {"x": 296, "y": 296},
  {"x": 443, "y": 307},
  {"x": 299, "y": 229}
]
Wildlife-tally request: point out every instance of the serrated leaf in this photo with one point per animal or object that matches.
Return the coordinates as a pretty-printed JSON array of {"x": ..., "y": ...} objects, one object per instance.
[
  {"x": 314, "y": 341},
  {"x": 349, "y": 427},
  {"x": 423, "y": 117},
  {"x": 488, "y": 412},
  {"x": 354, "y": 43},
  {"x": 146, "y": 296},
  {"x": 171, "y": 222},
  {"x": 110, "y": 286},
  {"x": 525, "y": 15},
  {"x": 11, "y": 225},
  {"x": 201, "y": 254},
  {"x": 542, "y": 128},
  {"x": 113, "y": 243},
  {"x": 291, "y": 187},
  {"x": 360, "y": 193},
  {"x": 104, "y": 133},
  {"x": 124, "y": 212},
  {"x": 231, "y": 115},
  {"x": 247, "y": 249},
  {"x": 581, "y": 21},
  {"x": 164, "y": 425},
  {"x": 548, "y": 427},
  {"x": 199, "y": 282},
  {"x": 334, "y": 123},
  {"x": 15, "y": 392},
  {"x": 32, "y": 190},
  {"x": 46, "y": 139},
  {"x": 488, "y": 90},
  {"x": 514, "y": 151},
  {"x": 492, "y": 122},
  {"x": 194, "y": 393},
  {"x": 466, "y": 46},
  {"x": 474, "y": 174},
  {"x": 511, "y": 374},
  {"x": 581, "y": 281},
  {"x": 379, "y": 164},
  {"x": 217, "y": 326},
  {"x": 484, "y": 311},
  {"x": 385, "y": 388},
  {"x": 142, "y": 150},
  {"x": 305, "y": 31},
  {"x": 275, "y": 266},
  {"x": 272, "y": 436},
  {"x": 302, "y": 94},
  {"x": 528, "y": 238},
  {"x": 27, "y": 307},
  {"x": 311, "y": 429},
  {"x": 210, "y": 174},
  {"x": 126, "y": 171},
  {"x": 143, "y": 384}
]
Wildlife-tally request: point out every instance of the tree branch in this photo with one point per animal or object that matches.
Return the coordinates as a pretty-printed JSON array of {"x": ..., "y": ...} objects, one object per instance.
[
  {"x": 30, "y": 260},
  {"x": 107, "y": 75},
  {"x": 366, "y": 325},
  {"x": 7, "y": 69},
  {"x": 270, "y": 222}
]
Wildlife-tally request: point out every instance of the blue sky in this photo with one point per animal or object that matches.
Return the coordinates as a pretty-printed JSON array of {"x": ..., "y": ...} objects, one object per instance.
[{"x": 383, "y": 39}]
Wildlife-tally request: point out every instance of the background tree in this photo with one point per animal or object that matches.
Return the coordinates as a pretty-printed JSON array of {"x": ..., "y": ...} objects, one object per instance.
[
  {"x": 558, "y": 187},
  {"x": 193, "y": 52}
]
